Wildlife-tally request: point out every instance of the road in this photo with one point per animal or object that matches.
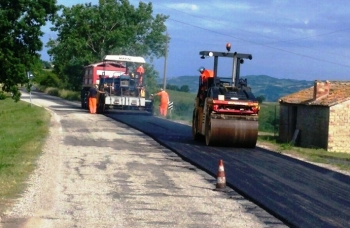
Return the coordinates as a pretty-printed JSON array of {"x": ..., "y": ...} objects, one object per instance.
[
  {"x": 98, "y": 172},
  {"x": 298, "y": 193}
]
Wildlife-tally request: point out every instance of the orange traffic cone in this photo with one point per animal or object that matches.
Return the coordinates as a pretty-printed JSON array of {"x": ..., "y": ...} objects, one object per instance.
[{"x": 221, "y": 180}]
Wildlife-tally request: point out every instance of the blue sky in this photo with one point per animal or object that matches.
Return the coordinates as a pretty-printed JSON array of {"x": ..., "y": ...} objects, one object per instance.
[{"x": 295, "y": 39}]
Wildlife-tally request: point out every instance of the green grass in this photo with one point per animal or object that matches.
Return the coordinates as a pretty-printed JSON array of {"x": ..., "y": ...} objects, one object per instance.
[
  {"x": 269, "y": 117},
  {"x": 339, "y": 160},
  {"x": 23, "y": 132},
  {"x": 183, "y": 105},
  {"x": 62, "y": 93}
]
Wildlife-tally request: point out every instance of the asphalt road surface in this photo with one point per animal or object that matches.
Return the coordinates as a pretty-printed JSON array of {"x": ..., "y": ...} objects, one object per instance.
[
  {"x": 298, "y": 193},
  {"x": 98, "y": 172}
]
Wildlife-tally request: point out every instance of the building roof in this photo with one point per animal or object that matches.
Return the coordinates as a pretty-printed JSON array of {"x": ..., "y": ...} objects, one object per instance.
[
  {"x": 339, "y": 92},
  {"x": 107, "y": 63},
  {"x": 124, "y": 58}
]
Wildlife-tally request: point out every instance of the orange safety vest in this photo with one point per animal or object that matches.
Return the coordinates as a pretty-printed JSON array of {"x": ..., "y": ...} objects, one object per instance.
[
  {"x": 207, "y": 74},
  {"x": 164, "y": 97}
]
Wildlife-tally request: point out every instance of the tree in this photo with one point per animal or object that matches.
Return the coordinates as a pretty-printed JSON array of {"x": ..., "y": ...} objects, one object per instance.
[
  {"x": 185, "y": 88},
  {"x": 20, "y": 27},
  {"x": 46, "y": 65},
  {"x": 86, "y": 33},
  {"x": 172, "y": 87},
  {"x": 151, "y": 77},
  {"x": 261, "y": 99}
]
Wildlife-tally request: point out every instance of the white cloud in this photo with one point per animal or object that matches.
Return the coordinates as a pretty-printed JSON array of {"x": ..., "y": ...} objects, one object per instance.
[
  {"x": 233, "y": 6},
  {"x": 184, "y": 6}
]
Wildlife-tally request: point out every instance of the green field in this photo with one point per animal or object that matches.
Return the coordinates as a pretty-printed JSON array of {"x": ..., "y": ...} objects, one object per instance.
[
  {"x": 23, "y": 132},
  {"x": 183, "y": 105}
]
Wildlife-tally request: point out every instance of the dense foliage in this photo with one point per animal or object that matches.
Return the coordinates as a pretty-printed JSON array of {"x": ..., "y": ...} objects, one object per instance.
[
  {"x": 20, "y": 26},
  {"x": 183, "y": 88},
  {"x": 260, "y": 99},
  {"x": 87, "y": 32}
]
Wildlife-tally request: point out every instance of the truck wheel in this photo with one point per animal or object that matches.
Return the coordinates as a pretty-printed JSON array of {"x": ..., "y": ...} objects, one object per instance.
[
  {"x": 151, "y": 112},
  {"x": 208, "y": 140},
  {"x": 84, "y": 99},
  {"x": 195, "y": 134},
  {"x": 101, "y": 108}
]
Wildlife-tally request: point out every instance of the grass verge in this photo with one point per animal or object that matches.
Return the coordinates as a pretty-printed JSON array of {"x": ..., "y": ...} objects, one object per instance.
[
  {"x": 338, "y": 160},
  {"x": 23, "y": 133}
]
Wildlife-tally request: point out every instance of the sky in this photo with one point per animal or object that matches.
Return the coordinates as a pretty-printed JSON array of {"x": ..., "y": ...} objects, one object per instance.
[{"x": 291, "y": 39}]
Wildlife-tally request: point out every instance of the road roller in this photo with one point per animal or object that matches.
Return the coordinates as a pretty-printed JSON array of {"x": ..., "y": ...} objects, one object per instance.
[{"x": 226, "y": 111}]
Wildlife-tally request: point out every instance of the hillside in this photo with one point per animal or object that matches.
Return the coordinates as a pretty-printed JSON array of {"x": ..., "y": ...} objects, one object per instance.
[{"x": 270, "y": 87}]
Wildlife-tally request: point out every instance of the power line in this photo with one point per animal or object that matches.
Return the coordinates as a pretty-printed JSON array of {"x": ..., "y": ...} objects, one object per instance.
[
  {"x": 277, "y": 40},
  {"x": 256, "y": 43},
  {"x": 264, "y": 45}
]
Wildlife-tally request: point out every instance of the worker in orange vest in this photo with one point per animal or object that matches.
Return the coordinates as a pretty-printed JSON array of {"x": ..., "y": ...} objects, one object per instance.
[
  {"x": 140, "y": 71},
  {"x": 164, "y": 102},
  {"x": 92, "y": 99},
  {"x": 205, "y": 75}
]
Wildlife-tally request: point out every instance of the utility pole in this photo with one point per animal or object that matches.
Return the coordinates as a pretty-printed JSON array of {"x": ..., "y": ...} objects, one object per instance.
[{"x": 165, "y": 59}]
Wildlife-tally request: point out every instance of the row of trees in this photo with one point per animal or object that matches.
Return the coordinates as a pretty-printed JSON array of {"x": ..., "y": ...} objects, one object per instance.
[
  {"x": 85, "y": 33},
  {"x": 183, "y": 88}
]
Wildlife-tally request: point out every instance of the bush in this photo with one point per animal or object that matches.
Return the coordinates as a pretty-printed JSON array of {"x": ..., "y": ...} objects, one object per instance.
[
  {"x": 49, "y": 79},
  {"x": 52, "y": 91},
  {"x": 2, "y": 95},
  {"x": 69, "y": 95}
]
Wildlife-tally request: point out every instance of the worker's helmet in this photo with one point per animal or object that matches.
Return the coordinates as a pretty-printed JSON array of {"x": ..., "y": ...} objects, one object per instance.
[
  {"x": 96, "y": 86},
  {"x": 201, "y": 70},
  {"x": 160, "y": 89}
]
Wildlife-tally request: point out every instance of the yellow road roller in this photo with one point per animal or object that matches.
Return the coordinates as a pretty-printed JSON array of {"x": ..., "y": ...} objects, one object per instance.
[{"x": 226, "y": 111}]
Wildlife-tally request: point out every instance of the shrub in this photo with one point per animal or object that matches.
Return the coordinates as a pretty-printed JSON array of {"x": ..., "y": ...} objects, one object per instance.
[
  {"x": 69, "y": 95},
  {"x": 2, "y": 95},
  {"x": 49, "y": 79},
  {"x": 52, "y": 91}
]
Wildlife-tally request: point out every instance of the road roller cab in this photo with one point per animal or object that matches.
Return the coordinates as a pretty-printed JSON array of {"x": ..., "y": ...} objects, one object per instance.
[{"x": 226, "y": 111}]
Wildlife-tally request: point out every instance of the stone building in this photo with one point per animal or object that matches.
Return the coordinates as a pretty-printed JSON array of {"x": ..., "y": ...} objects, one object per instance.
[{"x": 317, "y": 117}]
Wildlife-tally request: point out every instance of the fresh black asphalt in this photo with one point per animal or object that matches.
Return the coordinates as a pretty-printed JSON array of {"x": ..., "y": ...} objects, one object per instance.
[{"x": 298, "y": 193}]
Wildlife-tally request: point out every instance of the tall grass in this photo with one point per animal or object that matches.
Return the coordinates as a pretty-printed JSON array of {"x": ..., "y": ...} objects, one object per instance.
[
  {"x": 62, "y": 93},
  {"x": 183, "y": 105},
  {"x": 23, "y": 132},
  {"x": 269, "y": 117}
]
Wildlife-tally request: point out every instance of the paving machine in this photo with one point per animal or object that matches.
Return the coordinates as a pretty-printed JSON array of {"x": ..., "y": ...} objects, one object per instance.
[
  {"x": 123, "y": 89},
  {"x": 226, "y": 111}
]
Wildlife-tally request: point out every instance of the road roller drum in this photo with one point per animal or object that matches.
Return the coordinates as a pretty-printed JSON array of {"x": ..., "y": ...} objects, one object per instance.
[{"x": 232, "y": 132}]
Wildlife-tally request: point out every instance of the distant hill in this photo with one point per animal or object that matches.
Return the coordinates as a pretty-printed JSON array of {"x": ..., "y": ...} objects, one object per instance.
[{"x": 270, "y": 87}]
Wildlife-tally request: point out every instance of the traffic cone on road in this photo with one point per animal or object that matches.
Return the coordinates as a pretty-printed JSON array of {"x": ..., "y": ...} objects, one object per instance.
[{"x": 221, "y": 179}]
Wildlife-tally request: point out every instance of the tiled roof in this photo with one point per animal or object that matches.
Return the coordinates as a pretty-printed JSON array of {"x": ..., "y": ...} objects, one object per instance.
[{"x": 338, "y": 93}]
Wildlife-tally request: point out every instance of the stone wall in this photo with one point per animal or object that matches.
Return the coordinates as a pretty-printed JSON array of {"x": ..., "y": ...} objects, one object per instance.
[
  {"x": 339, "y": 128},
  {"x": 286, "y": 129},
  {"x": 312, "y": 122}
]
